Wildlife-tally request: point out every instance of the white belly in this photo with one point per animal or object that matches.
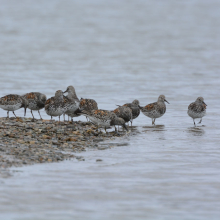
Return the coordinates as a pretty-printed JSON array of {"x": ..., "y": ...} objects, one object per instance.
[
  {"x": 193, "y": 114},
  {"x": 55, "y": 112},
  {"x": 72, "y": 108},
  {"x": 99, "y": 122},
  {"x": 11, "y": 107},
  {"x": 33, "y": 106},
  {"x": 153, "y": 114}
]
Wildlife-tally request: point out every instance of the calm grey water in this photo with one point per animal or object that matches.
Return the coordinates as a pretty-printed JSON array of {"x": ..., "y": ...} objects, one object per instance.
[{"x": 115, "y": 52}]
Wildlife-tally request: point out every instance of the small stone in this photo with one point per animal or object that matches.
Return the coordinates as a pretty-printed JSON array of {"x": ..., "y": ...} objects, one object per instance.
[
  {"x": 98, "y": 160},
  {"x": 46, "y": 137},
  {"x": 20, "y": 141},
  {"x": 98, "y": 140},
  {"x": 76, "y": 132},
  {"x": 103, "y": 147},
  {"x": 82, "y": 159},
  {"x": 59, "y": 131},
  {"x": 71, "y": 139}
]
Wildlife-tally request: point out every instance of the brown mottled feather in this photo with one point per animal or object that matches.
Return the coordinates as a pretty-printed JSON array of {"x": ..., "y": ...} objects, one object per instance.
[
  {"x": 124, "y": 112},
  {"x": 150, "y": 107},
  {"x": 9, "y": 99},
  {"x": 88, "y": 104},
  {"x": 197, "y": 108}
]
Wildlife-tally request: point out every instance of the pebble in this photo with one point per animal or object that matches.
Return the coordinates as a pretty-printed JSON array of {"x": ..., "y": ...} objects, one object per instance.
[
  {"x": 26, "y": 142},
  {"x": 103, "y": 147}
]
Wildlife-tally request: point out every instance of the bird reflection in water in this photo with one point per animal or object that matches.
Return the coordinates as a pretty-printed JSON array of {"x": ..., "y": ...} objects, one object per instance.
[
  {"x": 196, "y": 131},
  {"x": 154, "y": 128}
]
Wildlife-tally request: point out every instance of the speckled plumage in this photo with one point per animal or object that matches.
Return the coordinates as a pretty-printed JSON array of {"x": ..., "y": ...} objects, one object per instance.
[
  {"x": 12, "y": 103},
  {"x": 72, "y": 102},
  {"x": 55, "y": 106},
  {"x": 124, "y": 112},
  {"x": 104, "y": 118},
  {"x": 197, "y": 109},
  {"x": 156, "y": 109},
  {"x": 134, "y": 106},
  {"x": 88, "y": 104},
  {"x": 36, "y": 101}
]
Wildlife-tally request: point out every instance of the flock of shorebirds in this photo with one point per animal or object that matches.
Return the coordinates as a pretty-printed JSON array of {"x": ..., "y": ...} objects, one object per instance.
[{"x": 71, "y": 106}]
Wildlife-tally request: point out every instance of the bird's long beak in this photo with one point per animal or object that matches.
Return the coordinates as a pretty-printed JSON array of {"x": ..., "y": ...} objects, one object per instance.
[
  {"x": 166, "y": 101},
  {"x": 25, "y": 111},
  {"x": 65, "y": 91},
  {"x": 204, "y": 103}
]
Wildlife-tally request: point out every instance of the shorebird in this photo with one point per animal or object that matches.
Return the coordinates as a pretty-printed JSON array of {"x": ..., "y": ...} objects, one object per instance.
[
  {"x": 36, "y": 101},
  {"x": 197, "y": 109},
  {"x": 12, "y": 103},
  {"x": 55, "y": 105},
  {"x": 72, "y": 102},
  {"x": 124, "y": 112},
  {"x": 156, "y": 109},
  {"x": 88, "y": 105},
  {"x": 134, "y": 106},
  {"x": 104, "y": 118}
]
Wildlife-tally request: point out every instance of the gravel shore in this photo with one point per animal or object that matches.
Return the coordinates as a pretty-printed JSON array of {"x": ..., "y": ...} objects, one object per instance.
[{"x": 25, "y": 142}]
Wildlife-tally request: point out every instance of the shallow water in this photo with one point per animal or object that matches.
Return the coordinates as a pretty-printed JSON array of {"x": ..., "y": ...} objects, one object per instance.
[{"x": 116, "y": 52}]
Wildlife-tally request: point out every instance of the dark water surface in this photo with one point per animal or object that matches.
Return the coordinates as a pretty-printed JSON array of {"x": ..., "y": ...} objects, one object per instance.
[{"x": 115, "y": 52}]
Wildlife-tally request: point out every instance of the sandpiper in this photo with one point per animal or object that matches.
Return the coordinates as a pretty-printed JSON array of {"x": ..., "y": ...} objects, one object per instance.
[
  {"x": 104, "y": 118},
  {"x": 36, "y": 101},
  {"x": 156, "y": 109},
  {"x": 72, "y": 102},
  {"x": 124, "y": 112},
  {"x": 13, "y": 102},
  {"x": 134, "y": 106},
  {"x": 88, "y": 104},
  {"x": 197, "y": 109},
  {"x": 55, "y": 106}
]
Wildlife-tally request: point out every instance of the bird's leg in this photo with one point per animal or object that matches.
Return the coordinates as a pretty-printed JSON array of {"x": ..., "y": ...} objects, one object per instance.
[
  {"x": 51, "y": 118},
  {"x": 39, "y": 114},
  {"x": 152, "y": 121},
  {"x": 200, "y": 121},
  {"x": 68, "y": 117},
  {"x": 131, "y": 123},
  {"x": 194, "y": 122},
  {"x": 14, "y": 114},
  {"x": 64, "y": 117},
  {"x": 59, "y": 119},
  {"x": 7, "y": 114},
  {"x": 116, "y": 130},
  {"x": 32, "y": 114}
]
